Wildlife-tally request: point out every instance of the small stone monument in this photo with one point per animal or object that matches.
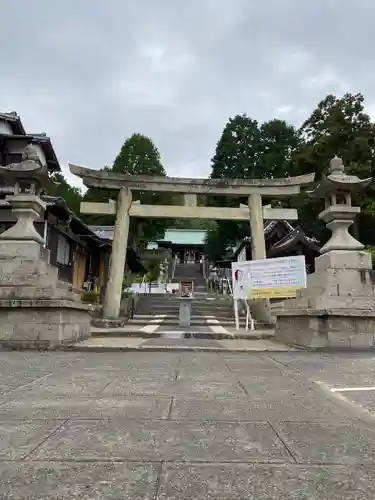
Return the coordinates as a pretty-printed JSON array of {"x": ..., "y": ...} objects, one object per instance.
[
  {"x": 37, "y": 310},
  {"x": 337, "y": 309}
]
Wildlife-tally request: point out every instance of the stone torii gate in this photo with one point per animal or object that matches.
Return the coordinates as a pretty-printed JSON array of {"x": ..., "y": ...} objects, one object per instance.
[{"x": 255, "y": 213}]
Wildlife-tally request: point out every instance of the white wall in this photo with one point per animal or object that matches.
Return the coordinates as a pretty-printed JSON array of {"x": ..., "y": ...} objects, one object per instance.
[{"x": 5, "y": 128}]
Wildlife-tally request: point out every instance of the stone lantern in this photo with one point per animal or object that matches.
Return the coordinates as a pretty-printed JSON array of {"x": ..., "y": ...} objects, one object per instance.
[
  {"x": 37, "y": 310},
  {"x": 337, "y": 190},
  {"x": 29, "y": 178},
  {"x": 337, "y": 309}
]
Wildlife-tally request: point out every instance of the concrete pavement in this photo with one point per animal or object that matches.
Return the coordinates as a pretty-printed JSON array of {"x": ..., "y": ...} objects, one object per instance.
[{"x": 169, "y": 425}]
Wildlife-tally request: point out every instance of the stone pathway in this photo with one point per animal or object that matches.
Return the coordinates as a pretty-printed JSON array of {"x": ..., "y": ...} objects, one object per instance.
[
  {"x": 173, "y": 340},
  {"x": 182, "y": 426}
]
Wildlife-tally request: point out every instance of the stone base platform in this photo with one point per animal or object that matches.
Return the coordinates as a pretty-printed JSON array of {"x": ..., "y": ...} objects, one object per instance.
[
  {"x": 43, "y": 323},
  {"x": 327, "y": 328}
]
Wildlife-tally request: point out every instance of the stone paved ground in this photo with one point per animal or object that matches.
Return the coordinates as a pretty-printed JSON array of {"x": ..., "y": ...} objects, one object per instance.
[
  {"x": 174, "y": 339},
  {"x": 169, "y": 425}
]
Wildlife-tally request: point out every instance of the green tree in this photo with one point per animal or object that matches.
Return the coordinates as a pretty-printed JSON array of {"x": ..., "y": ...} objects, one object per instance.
[
  {"x": 338, "y": 126},
  {"x": 247, "y": 150},
  {"x": 237, "y": 151},
  {"x": 99, "y": 195},
  {"x": 279, "y": 146},
  {"x": 153, "y": 270},
  {"x": 138, "y": 156},
  {"x": 236, "y": 157},
  {"x": 71, "y": 195}
]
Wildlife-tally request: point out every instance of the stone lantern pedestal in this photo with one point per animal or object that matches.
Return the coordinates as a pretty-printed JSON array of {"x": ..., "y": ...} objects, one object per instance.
[
  {"x": 337, "y": 309},
  {"x": 37, "y": 310}
]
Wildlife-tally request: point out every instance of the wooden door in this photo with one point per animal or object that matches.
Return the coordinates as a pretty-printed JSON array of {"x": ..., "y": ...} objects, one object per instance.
[{"x": 79, "y": 269}]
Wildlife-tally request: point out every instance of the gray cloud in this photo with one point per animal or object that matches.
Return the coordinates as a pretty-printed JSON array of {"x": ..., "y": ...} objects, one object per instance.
[{"x": 90, "y": 73}]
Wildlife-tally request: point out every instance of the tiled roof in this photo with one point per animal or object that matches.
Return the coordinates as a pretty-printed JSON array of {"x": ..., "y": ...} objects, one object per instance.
[
  {"x": 185, "y": 236},
  {"x": 104, "y": 232}
]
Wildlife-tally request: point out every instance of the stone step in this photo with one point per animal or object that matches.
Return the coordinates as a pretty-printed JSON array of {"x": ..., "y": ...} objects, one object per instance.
[
  {"x": 203, "y": 304},
  {"x": 121, "y": 332},
  {"x": 175, "y": 321}
]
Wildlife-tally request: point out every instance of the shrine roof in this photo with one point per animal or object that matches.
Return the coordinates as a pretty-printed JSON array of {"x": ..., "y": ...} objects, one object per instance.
[
  {"x": 291, "y": 239},
  {"x": 184, "y": 236}
]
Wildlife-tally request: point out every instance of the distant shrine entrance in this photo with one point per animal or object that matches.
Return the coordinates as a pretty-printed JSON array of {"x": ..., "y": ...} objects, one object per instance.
[
  {"x": 186, "y": 246},
  {"x": 254, "y": 189}
]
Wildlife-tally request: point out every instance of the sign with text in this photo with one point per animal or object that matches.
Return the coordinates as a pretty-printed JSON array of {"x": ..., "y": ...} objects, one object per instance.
[
  {"x": 240, "y": 279},
  {"x": 269, "y": 278}
]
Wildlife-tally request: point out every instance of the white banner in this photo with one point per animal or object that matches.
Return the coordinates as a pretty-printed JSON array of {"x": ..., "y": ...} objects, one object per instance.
[
  {"x": 240, "y": 279},
  {"x": 269, "y": 278}
]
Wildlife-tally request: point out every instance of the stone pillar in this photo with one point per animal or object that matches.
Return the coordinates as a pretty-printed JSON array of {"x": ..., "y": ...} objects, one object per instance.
[
  {"x": 260, "y": 309},
  {"x": 112, "y": 299}
]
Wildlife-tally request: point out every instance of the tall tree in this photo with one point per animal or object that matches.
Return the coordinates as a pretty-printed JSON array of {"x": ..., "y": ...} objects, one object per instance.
[
  {"x": 237, "y": 151},
  {"x": 236, "y": 156},
  {"x": 138, "y": 156},
  {"x": 338, "y": 126},
  {"x": 99, "y": 195},
  {"x": 71, "y": 195},
  {"x": 247, "y": 150},
  {"x": 279, "y": 145}
]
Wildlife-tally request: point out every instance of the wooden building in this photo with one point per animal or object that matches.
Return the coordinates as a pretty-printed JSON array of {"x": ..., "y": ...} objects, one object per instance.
[
  {"x": 282, "y": 240},
  {"x": 185, "y": 244},
  {"x": 80, "y": 254}
]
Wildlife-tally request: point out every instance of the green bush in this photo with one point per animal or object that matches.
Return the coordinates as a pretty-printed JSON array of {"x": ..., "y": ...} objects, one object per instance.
[
  {"x": 372, "y": 252},
  {"x": 92, "y": 297}
]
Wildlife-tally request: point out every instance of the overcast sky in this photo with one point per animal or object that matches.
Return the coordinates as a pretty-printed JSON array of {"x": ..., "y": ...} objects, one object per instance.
[{"x": 89, "y": 73}]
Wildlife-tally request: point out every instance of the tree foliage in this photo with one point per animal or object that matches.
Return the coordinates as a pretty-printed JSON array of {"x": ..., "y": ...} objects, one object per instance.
[
  {"x": 70, "y": 194},
  {"x": 138, "y": 156},
  {"x": 249, "y": 150},
  {"x": 337, "y": 126}
]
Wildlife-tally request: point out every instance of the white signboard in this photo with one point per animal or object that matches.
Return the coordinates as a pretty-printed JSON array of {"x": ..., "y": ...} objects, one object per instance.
[
  {"x": 240, "y": 279},
  {"x": 269, "y": 278}
]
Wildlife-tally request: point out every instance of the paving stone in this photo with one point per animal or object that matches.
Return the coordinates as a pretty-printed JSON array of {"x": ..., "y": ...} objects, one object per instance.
[
  {"x": 65, "y": 387},
  {"x": 161, "y": 440},
  {"x": 256, "y": 410},
  {"x": 364, "y": 399},
  {"x": 81, "y": 481},
  {"x": 96, "y": 408},
  {"x": 18, "y": 438},
  {"x": 152, "y": 385},
  {"x": 202, "y": 387},
  {"x": 338, "y": 443},
  {"x": 116, "y": 403},
  {"x": 214, "y": 375},
  {"x": 164, "y": 341},
  {"x": 264, "y": 482}
]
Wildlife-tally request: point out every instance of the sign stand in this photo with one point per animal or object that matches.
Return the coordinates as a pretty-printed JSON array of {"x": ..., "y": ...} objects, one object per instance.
[
  {"x": 236, "y": 316},
  {"x": 266, "y": 279},
  {"x": 249, "y": 319}
]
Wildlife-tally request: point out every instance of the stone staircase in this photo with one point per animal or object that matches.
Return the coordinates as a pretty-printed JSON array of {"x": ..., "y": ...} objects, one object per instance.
[
  {"x": 194, "y": 272},
  {"x": 206, "y": 310}
]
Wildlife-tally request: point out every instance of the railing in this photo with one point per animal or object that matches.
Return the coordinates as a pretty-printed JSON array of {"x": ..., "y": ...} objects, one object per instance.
[
  {"x": 174, "y": 267},
  {"x": 206, "y": 272}
]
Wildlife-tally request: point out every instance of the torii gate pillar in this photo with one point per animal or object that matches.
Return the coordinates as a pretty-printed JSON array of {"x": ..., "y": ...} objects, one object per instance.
[
  {"x": 113, "y": 291},
  {"x": 261, "y": 309}
]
